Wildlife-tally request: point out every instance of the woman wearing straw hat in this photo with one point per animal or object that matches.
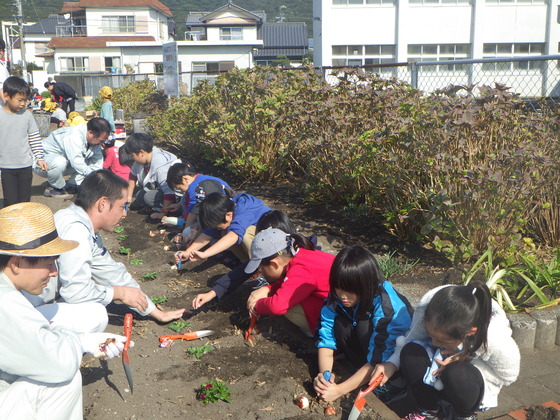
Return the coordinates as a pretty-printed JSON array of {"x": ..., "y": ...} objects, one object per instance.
[{"x": 39, "y": 362}]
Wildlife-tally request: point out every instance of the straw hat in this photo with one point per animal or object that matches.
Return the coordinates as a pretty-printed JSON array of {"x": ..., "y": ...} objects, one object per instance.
[{"x": 28, "y": 229}]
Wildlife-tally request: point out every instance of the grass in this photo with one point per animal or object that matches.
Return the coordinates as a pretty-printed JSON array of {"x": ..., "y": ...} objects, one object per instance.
[
  {"x": 150, "y": 276},
  {"x": 136, "y": 261},
  {"x": 118, "y": 229},
  {"x": 390, "y": 265}
]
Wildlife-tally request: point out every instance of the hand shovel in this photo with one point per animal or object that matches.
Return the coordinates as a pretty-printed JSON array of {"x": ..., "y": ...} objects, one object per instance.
[
  {"x": 187, "y": 336},
  {"x": 125, "y": 360},
  {"x": 248, "y": 336},
  {"x": 360, "y": 399}
]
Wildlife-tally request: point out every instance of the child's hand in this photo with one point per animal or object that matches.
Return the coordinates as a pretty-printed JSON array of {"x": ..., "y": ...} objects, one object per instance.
[
  {"x": 326, "y": 391},
  {"x": 180, "y": 256},
  {"x": 445, "y": 362},
  {"x": 203, "y": 298},
  {"x": 197, "y": 256},
  {"x": 43, "y": 165},
  {"x": 254, "y": 297},
  {"x": 388, "y": 369}
]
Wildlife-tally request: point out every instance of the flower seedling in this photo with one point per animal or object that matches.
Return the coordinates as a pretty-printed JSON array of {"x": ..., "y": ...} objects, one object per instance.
[
  {"x": 118, "y": 229},
  {"x": 199, "y": 351},
  {"x": 125, "y": 251},
  {"x": 177, "y": 326},
  {"x": 150, "y": 276},
  {"x": 122, "y": 237},
  {"x": 136, "y": 261},
  {"x": 213, "y": 391},
  {"x": 159, "y": 299}
]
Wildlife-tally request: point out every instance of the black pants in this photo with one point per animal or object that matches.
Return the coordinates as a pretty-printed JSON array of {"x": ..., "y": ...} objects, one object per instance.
[
  {"x": 68, "y": 106},
  {"x": 16, "y": 185},
  {"x": 463, "y": 383},
  {"x": 353, "y": 340}
]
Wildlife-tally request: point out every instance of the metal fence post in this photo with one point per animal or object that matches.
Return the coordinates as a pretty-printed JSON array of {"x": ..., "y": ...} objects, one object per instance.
[{"x": 414, "y": 75}]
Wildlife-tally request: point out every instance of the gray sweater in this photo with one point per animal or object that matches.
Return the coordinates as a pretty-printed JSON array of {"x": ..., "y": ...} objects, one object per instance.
[{"x": 19, "y": 139}]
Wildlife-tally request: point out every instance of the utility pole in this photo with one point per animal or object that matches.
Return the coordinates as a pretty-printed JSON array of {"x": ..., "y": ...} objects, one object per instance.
[{"x": 19, "y": 20}]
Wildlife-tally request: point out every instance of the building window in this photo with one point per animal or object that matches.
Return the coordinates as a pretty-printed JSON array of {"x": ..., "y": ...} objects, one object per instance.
[
  {"x": 359, "y": 55},
  {"x": 444, "y": 2},
  {"x": 504, "y": 50},
  {"x": 510, "y": 2},
  {"x": 373, "y": 2},
  {"x": 231, "y": 34},
  {"x": 68, "y": 64},
  {"x": 112, "y": 64},
  {"x": 213, "y": 68},
  {"x": 439, "y": 52},
  {"x": 118, "y": 24}
]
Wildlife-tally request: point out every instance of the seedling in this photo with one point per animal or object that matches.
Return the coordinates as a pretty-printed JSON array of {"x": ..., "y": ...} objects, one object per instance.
[
  {"x": 199, "y": 351},
  {"x": 122, "y": 237},
  {"x": 150, "y": 276},
  {"x": 213, "y": 391},
  {"x": 125, "y": 251},
  {"x": 118, "y": 229},
  {"x": 136, "y": 261},
  {"x": 177, "y": 326},
  {"x": 159, "y": 299}
]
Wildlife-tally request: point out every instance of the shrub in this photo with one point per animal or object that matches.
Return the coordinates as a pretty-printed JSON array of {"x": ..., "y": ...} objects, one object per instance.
[{"x": 139, "y": 96}]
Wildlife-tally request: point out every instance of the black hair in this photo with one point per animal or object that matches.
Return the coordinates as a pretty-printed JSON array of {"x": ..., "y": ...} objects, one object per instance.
[
  {"x": 47, "y": 84},
  {"x": 125, "y": 158},
  {"x": 454, "y": 310},
  {"x": 355, "y": 270},
  {"x": 137, "y": 142},
  {"x": 176, "y": 173},
  {"x": 100, "y": 183},
  {"x": 2, "y": 44},
  {"x": 296, "y": 241},
  {"x": 276, "y": 219},
  {"x": 33, "y": 261},
  {"x": 213, "y": 209},
  {"x": 14, "y": 85},
  {"x": 98, "y": 126}
]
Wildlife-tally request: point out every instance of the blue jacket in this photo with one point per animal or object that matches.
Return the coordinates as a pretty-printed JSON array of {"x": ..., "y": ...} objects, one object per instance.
[
  {"x": 191, "y": 199},
  {"x": 390, "y": 315},
  {"x": 248, "y": 210}
]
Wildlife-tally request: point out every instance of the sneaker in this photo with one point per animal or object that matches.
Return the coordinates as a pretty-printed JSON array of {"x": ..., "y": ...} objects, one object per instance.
[
  {"x": 258, "y": 283},
  {"x": 422, "y": 415},
  {"x": 56, "y": 192}
]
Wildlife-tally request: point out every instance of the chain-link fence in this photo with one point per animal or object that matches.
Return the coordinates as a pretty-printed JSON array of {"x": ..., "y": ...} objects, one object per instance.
[{"x": 532, "y": 78}]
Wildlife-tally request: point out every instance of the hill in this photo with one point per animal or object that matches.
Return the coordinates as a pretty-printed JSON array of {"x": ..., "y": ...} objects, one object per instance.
[{"x": 294, "y": 11}]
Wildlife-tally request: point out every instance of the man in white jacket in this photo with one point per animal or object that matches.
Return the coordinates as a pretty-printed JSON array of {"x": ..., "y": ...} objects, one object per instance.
[
  {"x": 88, "y": 273},
  {"x": 39, "y": 360},
  {"x": 74, "y": 151}
]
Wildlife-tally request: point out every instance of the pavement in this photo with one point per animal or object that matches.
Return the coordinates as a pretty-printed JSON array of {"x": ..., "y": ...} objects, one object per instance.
[{"x": 538, "y": 335}]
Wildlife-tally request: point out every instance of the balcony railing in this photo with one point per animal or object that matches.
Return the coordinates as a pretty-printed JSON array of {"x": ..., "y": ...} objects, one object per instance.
[
  {"x": 74, "y": 30},
  {"x": 195, "y": 36}
]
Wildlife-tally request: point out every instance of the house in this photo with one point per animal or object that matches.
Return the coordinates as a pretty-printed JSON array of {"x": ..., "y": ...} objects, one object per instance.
[
  {"x": 105, "y": 35},
  {"x": 283, "y": 39},
  {"x": 362, "y": 32}
]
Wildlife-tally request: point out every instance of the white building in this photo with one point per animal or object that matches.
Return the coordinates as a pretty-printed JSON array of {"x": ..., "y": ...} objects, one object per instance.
[{"x": 362, "y": 32}]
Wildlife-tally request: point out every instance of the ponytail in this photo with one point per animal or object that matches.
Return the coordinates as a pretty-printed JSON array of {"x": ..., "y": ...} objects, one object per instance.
[
  {"x": 300, "y": 241},
  {"x": 455, "y": 310}
]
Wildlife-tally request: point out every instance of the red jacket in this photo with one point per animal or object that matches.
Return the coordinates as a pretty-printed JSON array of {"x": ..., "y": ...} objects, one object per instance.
[
  {"x": 306, "y": 282},
  {"x": 112, "y": 163}
]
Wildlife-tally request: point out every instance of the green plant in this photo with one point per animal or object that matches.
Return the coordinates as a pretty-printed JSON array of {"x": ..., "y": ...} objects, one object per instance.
[
  {"x": 96, "y": 104},
  {"x": 125, "y": 251},
  {"x": 199, "y": 351},
  {"x": 177, "y": 326},
  {"x": 213, "y": 391},
  {"x": 46, "y": 94},
  {"x": 122, "y": 237},
  {"x": 118, "y": 229},
  {"x": 159, "y": 299},
  {"x": 136, "y": 261},
  {"x": 150, "y": 276},
  {"x": 391, "y": 265}
]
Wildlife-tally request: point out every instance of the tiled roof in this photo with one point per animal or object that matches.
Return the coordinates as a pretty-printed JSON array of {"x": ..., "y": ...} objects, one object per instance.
[
  {"x": 115, "y": 3},
  {"x": 285, "y": 35},
  {"x": 45, "y": 26},
  {"x": 94, "y": 41},
  {"x": 275, "y": 52},
  {"x": 194, "y": 18}
]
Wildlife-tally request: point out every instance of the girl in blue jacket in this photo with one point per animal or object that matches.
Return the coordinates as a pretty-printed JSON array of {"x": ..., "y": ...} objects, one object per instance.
[{"x": 362, "y": 318}]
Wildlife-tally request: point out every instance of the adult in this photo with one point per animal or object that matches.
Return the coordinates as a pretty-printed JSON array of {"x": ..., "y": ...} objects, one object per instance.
[
  {"x": 74, "y": 151},
  {"x": 64, "y": 94},
  {"x": 39, "y": 361},
  {"x": 88, "y": 273}
]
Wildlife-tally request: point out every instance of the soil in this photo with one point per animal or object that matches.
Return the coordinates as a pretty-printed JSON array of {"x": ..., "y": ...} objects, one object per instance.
[
  {"x": 265, "y": 379},
  {"x": 542, "y": 413}
]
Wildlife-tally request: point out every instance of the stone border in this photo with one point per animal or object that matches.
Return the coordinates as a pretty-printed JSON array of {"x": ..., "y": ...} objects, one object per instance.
[{"x": 539, "y": 329}]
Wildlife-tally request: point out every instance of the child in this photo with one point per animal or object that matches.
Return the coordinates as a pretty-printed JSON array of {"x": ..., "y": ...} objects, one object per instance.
[
  {"x": 362, "y": 317},
  {"x": 19, "y": 139},
  {"x": 233, "y": 219},
  {"x": 299, "y": 276},
  {"x": 111, "y": 158},
  {"x": 74, "y": 118},
  {"x": 458, "y": 353},
  {"x": 58, "y": 117},
  {"x": 149, "y": 172},
  {"x": 232, "y": 280},
  {"x": 107, "y": 107},
  {"x": 195, "y": 187}
]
